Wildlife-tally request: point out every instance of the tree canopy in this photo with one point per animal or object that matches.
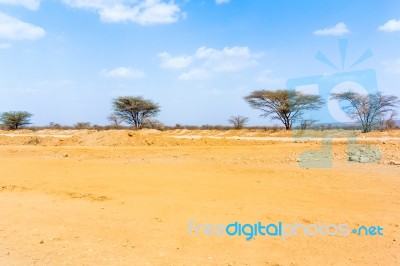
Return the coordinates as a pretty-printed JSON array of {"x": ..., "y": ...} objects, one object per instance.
[
  {"x": 133, "y": 110},
  {"x": 238, "y": 121},
  {"x": 367, "y": 109},
  {"x": 15, "y": 119},
  {"x": 287, "y": 106}
]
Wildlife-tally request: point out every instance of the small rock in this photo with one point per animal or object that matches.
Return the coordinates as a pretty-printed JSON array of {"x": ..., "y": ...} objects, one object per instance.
[
  {"x": 364, "y": 159},
  {"x": 353, "y": 159}
]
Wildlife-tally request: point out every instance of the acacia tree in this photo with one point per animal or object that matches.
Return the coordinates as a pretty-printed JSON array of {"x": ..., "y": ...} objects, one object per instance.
[
  {"x": 287, "y": 106},
  {"x": 15, "y": 119},
  {"x": 307, "y": 123},
  {"x": 152, "y": 123},
  {"x": 367, "y": 109},
  {"x": 133, "y": 110},
  {"x": 389, "y": 122},
  {"x": 238, "y": 122},
  {"x": 82, "y": 125},
  {"x": 115, "y": 120}
]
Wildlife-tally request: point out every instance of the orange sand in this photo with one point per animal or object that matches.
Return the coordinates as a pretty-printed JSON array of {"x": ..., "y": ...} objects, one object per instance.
[{"x": 126, "y": 197}]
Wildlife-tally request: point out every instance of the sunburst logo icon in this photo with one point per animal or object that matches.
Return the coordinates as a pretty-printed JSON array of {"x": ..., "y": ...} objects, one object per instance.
[
  {"x": 343, "y": 45},
  {"x": 324, "y": 84}
]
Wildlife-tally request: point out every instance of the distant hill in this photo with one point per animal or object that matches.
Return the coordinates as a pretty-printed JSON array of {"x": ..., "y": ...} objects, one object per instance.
[
  {"x": 346, "y": 124},
  {"x": 342, "y": 125}
]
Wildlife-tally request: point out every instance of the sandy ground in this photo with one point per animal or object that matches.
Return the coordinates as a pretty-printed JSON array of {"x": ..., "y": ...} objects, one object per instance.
[{"x": 126, "y": 198}]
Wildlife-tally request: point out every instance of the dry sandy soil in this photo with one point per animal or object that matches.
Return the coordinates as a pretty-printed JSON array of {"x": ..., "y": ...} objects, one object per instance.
[{"x": 126, "y": 198}]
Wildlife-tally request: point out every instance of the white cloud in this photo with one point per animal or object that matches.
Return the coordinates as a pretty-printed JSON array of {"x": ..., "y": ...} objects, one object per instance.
[
  {"x": 30, "y": 4},
  {"x": 5, "y": 45},
  {"x": 265, "y": 78},
  {"x": 391, "y": 26},
  {"x": 392, "y": 66},
  {"x": 196, "y": 73},
  {"x": 218, "y": 2},
  {"x": 168, "y": 61},
  {"x": 144, "y": 12},
  {"x": 208, "y": 60},
  {"x": 229, "y": 59},
  {"x": 338, "y": 30},
  {"x": 14, "y": 29},
  {"x": 124, "y": 72}
]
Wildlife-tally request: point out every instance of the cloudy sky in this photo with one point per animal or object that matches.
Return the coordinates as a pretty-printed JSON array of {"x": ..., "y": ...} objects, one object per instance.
[{"x": 65, "y": 60}]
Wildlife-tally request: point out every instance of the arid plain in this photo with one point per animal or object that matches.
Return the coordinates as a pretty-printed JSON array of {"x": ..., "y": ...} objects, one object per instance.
[{"x": 120, "y": 197}]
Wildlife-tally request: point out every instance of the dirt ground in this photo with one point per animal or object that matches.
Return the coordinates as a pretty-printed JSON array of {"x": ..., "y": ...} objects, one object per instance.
[{"x": 82, "y": 197}]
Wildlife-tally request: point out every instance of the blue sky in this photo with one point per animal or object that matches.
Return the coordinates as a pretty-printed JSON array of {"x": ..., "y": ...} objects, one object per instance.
[{"x": 65, "y": 60}]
